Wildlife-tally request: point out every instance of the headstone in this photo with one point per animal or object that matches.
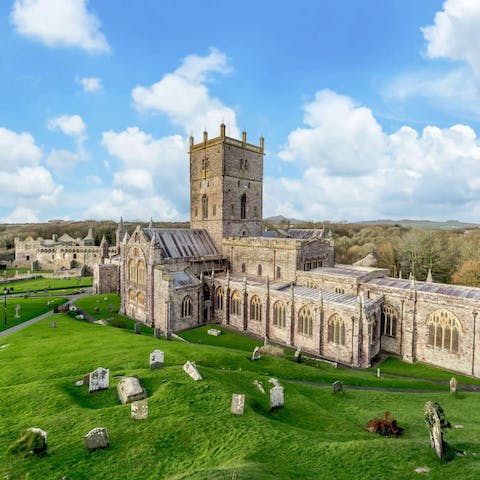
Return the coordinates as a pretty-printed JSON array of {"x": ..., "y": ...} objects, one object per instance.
[
  {"x": 79, "y": 383},
  {"x": 453, "y": 385},
  {"x": 53, "y": 325},
  {"x": 379, "y": 374},
  {"x": 17, "y": 310},
  {"x": 436, "y": 423},
  {"x": 99, "y": 379},
  {"x": 337, "y": 386},
  {"x": 256, "y": 354},
  {"x": 169, "y": 335},
  {"x": 102, "y": 322},
  {"x": 422, "y": 469},
  {"x": 259, "y": 386},
  {"x": 156, "y": 360},
  {"x": 139, "y": 410},
  {"x": 130, "y": 390},
  {"x": 191, "y": 369},
  {"x": 238, "y": 403},
  {"x": 73, "y": 308},
  {"x": 276, "y": 397},
  {"x": 137, "y": 328},
  {"x": 110, "y": 307},
  {"x": 273, "y": 381},
  {"x": 214, "y": 332},
  {"x": 105, "y": 299},
  {"x": 97, "y": 438},
  {"x": 96, "y": 309},
  {"x": 157, "y": 333},
  {"x": 298, "y": 354},
  {"x": 79, "y": 317}
]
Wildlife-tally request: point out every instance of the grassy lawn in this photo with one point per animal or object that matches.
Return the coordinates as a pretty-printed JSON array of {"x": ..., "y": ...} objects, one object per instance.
[
  {"x": 226, "y": 339},
  {"x": 190, "y": 433},
  {"x": 30, "y": 308},
  {"x": 51, "y": 284},
  {"x": 101, "y": 303},
  {"x": 11, "y": 272}
]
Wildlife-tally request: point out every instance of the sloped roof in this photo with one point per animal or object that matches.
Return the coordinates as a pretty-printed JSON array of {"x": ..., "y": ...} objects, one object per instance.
[
  {"x": 182, "y": 242},
  {"x": 184, "y": 279},
  {"x": 305, "y": 233},
  {"x": 66, "y": 238}
]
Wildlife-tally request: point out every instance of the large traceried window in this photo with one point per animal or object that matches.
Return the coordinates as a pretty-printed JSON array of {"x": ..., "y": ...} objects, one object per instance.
[
  {"x": 336, "y": 329},
  {"x": 186, "y": 307},
  {"x": 141, "y": 299},
  {"x": 443, "y": 330},
  {"x": 256, "y": 309},
  {"x": 279, "y": 314},
  {"x": 141, "y": 272},
  {"x": 204, "y": 206},
  {"x": 132, "y": 270},
  {"x": 131, "y": 295},
  {"x": 389, "y": 321},
  {"x": 235, "y": 304},
  {"x": 219, "y": 298},
  {"x": 305, "y": 322},
  {"x": 243, "y": 206}
]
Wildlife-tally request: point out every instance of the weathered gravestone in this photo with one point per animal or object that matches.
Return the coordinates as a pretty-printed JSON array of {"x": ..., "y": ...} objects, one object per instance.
[
  {"x": 453, "y": 385},
  {"x": 53, "y": 325},
  {"x": 259, "y": 386},
  {"x": 99, "y": 379},
  {"x": 137, "y": 328},
  {"x": 379, "y": 373},
  {"x": 191, "y": 369},
  {"x": 298, "y": 354},
  {"x": 437, "y": 424},
  {"x": 157, "y": 333},
  {"x": 256, "y": 354},
  {"x": 139, "y": 410},
  {"x": 156, "y": 360},
  {"x": 238, "y": 403},
  {"x": 337, "y": 386},
  {"x": 33, "y": 442},
  {"x": 214, "y": 332},
  {"x": 97, "y": 438},
  {"x": 276, "y": 397},
  {"x": 17, "y": 310},
  {"x": 169, "y": 335},
  {"x": 130, "y": 390}
]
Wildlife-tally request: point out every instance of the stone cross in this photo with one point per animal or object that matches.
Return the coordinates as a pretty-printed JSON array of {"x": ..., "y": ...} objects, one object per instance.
[
  {"x": 99, "y": 379},
  {"x": 97, "y": 438},
  {"x": 191, "y": 369},
  {"x": 156, "y": 360},
  {"x": 453, "y": 385},
  {"x": 17, "y": 310},
  {"x": 238, "y": 403},
  {"x": 276, "y": 397},
  {"x": 256, "y": 354},
  {"x": 139, "y": 410}
]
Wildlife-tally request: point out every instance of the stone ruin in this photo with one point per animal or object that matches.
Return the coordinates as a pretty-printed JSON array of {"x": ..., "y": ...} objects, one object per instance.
[
  {"x": 191, "y": 369},
  {"x": 99, "y": 379},
  {"x": 238, "y": 403},
  {"x": 97, "y": 438},
  {"x": 129, "y": 390},
  {"x": 437, "y": 425}
]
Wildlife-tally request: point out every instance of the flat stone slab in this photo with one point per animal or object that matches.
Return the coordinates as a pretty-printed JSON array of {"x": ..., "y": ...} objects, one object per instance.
[
  {"x": 191, "y": 369},
  {"x": 99, "y": 379},
  {"x": 156, "y": 360},
  {"x": 102, "y": 322},
  {"x": 214, "y": 332},
  {"x": 238, "y": 403},
  {"x": 130, "y": 390},
  {"x": 422, "y": 469},
  {"x": 139, "y": 410},
  {"x": 97, "y": 438},
  {"x": 5, "y": 345}
]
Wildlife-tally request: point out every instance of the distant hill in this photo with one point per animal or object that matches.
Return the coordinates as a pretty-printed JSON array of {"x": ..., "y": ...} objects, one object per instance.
[
  {"x": 428, "y": 224},
  {"x": 277, "y": 219}
]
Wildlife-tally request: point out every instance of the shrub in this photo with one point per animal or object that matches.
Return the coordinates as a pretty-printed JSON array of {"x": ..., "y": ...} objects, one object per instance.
[
  {"x": 385, "y": 426},
  {"x": 32, "y": 442},
  {"x": 272, "y": 350}
]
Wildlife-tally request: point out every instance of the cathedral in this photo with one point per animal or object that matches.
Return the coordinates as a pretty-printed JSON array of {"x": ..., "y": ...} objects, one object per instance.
[{"x": 283, "y": 285}]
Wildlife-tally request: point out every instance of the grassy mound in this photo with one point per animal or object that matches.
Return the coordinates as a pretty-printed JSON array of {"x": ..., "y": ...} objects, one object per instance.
[{"x": 190, "y": 432}]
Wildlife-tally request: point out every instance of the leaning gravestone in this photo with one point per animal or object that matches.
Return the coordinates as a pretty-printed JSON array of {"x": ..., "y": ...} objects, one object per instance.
[
  {"x": 137, "y": 328},
  {"x": 276, "y": 397},
  {"x": 298, "y": 354},
  {"x": 97, "y": 438},
  {"x": 157, "y": 333},
  {"x": 453, "y": 385},
  {"x": 259, "y": 386},
  {"x": 139, "y": 410},
  {"x": 256, "y": 354},
  {"x": 191, "y": 369},
  {"x": 437, "y": 424},
  {"x": 130, "y": 390},
  {"x": 238, "y": 403},
  {"x": 169, "y": 335},
  {"x": 99, "y": 379},
  {"x": 337, "y": 386},
  {"x": 156, "y": 360}
]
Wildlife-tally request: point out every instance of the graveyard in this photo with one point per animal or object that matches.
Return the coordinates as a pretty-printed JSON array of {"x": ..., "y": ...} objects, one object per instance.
[
  {"x": 44, "y": 285},
  {"x": 193, "y": 430}
]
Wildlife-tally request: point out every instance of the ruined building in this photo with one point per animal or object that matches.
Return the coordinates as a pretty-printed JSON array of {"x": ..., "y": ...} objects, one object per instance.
[{"x": 283, "y": 285}]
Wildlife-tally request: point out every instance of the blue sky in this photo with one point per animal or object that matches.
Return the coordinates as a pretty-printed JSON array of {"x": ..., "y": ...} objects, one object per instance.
[{"x": 369, "y": 109}]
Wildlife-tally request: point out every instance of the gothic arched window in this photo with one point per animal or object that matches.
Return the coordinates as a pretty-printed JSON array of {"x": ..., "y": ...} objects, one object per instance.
[
  {"x": 219, "y": 298},
  {"x": 186, "y": 307},
  {"x": 443, "y": 330},
  {"x": 389, "y": 321},
  {"x": 204, "y": 206},
  {"x": 336, "y": 329},
  {"x": 243, "y": 206},
  {"x": 279, "y": 314},
  {"x": 256, "y": 309},
  {"x": 235, "y": 303},
  {"x": 132, "y": 271},
  {"x": 141, "y": 272},
  {"x": 305, "y": 322}
]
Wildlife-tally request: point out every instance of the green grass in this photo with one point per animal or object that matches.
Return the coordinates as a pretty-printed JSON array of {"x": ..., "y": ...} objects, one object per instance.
[
  {"x": 49, "y": 285},
  {"x": 93, "y": 302},
  {"x": 190, "y": 433},
  {"x": 30, "y": 308},
  {"x": 11, "y": 272},
  {"x": 226, "y": 339}
]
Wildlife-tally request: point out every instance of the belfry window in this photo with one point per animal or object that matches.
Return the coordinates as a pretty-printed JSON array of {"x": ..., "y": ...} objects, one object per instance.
[
  {"x": 243, "y": 206},
  {"x": 204, "y": 206}
]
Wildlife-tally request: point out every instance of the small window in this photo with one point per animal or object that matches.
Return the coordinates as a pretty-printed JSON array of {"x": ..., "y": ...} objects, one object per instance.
[
  {"x": 259, "y": 270},
  {"x": 74, "y": 255},
  {"x": 196, "y": 212},
  {"x": 186, "y": 307},
  {"x": 278, "y": 273},
  {"x": 214, "y": 211},
  {"x": 243, "y": 268},
  {"x": 243, "y": 206},
  {"x": 204, "y": 206}
]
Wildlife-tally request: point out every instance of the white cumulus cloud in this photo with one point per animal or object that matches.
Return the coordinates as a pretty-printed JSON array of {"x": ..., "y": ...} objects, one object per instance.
[
  {"x": 17, "y": 149},
  {"x": 21, "y": 215},
  {"x": 59, "y": 23},
  {"x": 90, "y": 84},
  {"x": 185, "y": 98},
  {"x": 72, "y": 125}
]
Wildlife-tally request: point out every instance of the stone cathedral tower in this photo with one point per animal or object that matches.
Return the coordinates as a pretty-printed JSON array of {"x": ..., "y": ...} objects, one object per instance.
[{"x": 226, "y": 186}]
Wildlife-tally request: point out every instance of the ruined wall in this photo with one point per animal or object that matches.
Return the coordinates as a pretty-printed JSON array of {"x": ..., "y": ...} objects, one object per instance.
[{"x": 106, "y": 279}]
